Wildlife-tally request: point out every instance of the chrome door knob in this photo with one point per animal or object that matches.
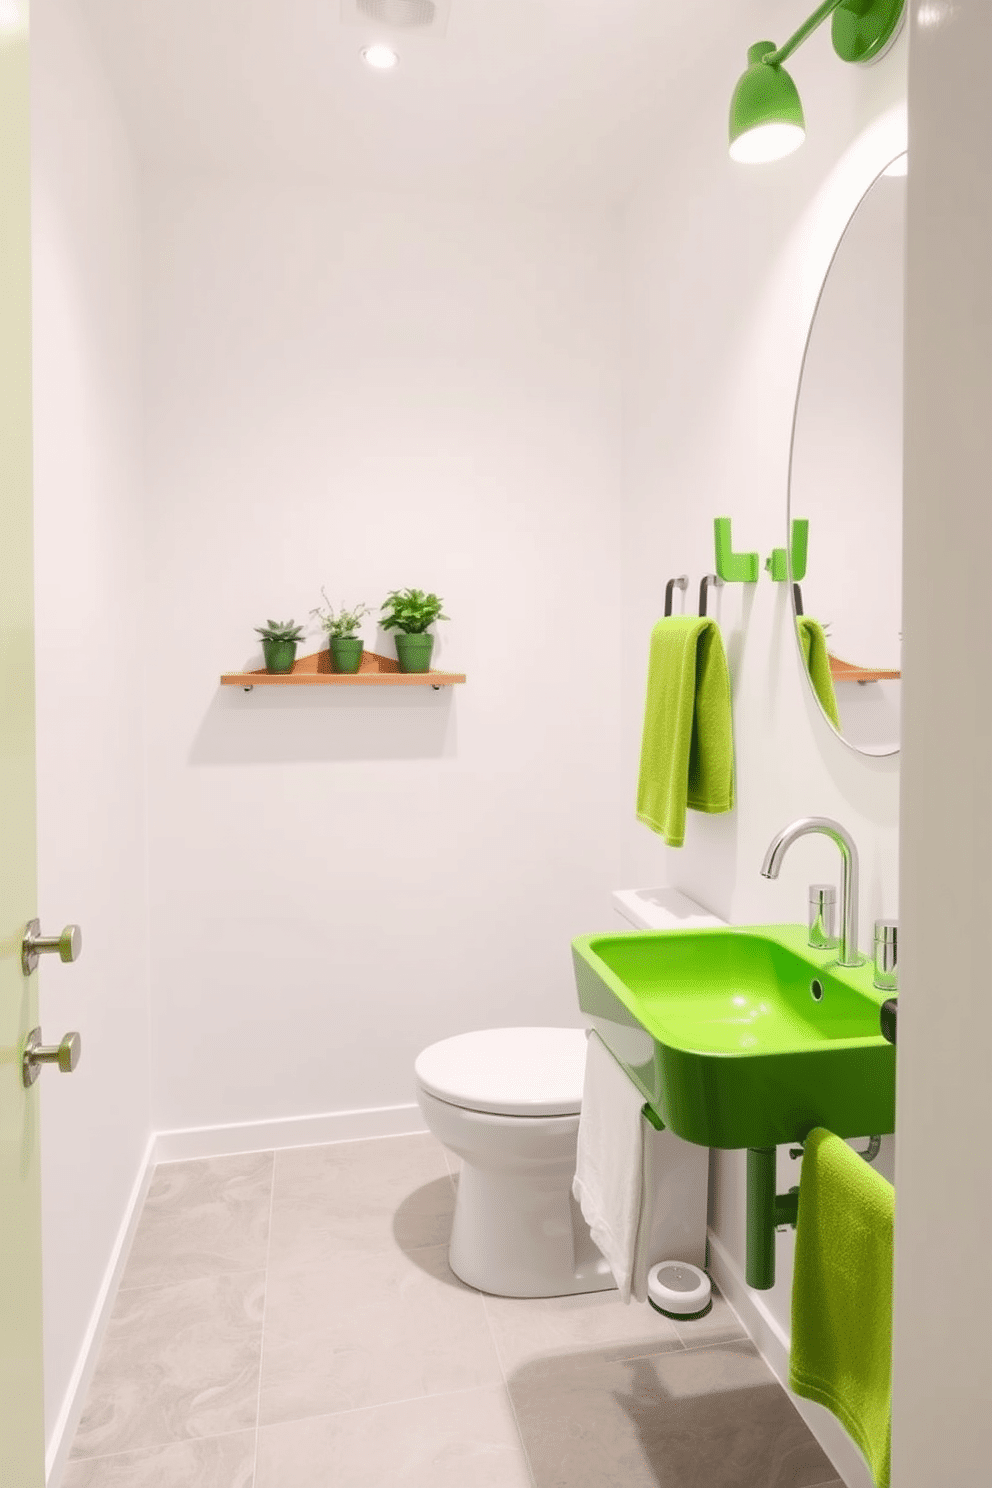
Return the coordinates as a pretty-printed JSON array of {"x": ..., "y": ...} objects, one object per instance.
[
  {"x": 69, "y": 945},
  {"x": 65, "y": 1055}
]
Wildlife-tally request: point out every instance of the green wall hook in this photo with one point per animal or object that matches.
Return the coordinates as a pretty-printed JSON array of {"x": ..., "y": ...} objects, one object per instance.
[
  {"x": 733, "y": 568},
  {"x": 777, "y": 563}
]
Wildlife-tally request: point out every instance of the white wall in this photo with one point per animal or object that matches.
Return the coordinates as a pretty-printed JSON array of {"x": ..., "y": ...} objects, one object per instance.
[
  {"x": 368, "y": 392},
  {"x": 90, "y": 612},
  {"x": 942, "y": 1426},
  {"x": 724, "y": 263}
]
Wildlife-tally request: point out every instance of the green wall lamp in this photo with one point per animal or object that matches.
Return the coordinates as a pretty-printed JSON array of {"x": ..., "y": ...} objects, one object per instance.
[{"x": 766, "y": 115}]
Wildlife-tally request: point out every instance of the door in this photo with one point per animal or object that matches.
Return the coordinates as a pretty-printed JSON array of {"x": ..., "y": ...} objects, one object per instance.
[{"x": 22, "y": 1454}]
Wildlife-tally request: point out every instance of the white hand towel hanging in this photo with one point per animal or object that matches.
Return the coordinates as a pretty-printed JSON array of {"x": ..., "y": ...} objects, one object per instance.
[{"x": 642, "y": 1192}]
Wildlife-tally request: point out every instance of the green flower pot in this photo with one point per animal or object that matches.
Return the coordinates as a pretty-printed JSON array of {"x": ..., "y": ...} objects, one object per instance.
[
  {"x": 280, "y": 656},
  {"x": 414, "y": 652},
  {"x": 346, "y": 653}
]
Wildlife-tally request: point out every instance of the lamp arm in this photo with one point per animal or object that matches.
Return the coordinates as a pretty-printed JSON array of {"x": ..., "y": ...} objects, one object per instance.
[{"x": 774, "y": 59}]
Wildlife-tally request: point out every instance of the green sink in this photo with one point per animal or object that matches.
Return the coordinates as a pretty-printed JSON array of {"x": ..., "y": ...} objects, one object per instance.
[{"x": 741, "y": 1037}]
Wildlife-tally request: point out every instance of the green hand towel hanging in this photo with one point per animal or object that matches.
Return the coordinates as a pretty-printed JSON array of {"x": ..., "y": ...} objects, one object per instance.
[
  {"x": 814, "y": 644},
  {"x": 687, "y": 749},
  {"x": 842, "y": 1294}
]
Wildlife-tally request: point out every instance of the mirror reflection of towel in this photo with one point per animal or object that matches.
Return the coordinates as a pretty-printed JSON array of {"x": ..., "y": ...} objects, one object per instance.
[
  {"x": 814, "y": 644},
  {"x": 687, "y": 749}
]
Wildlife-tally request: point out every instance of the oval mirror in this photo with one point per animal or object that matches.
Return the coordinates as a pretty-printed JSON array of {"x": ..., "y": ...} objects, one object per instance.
[{"x": 844, "y": 529}]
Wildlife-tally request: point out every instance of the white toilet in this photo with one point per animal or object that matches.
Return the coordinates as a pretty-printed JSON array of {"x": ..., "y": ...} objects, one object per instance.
[{"x": 507, "y": 1101}]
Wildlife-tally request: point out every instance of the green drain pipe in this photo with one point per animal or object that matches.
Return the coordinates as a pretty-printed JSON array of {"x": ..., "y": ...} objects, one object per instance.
[{"x": 765, "y": 1210}]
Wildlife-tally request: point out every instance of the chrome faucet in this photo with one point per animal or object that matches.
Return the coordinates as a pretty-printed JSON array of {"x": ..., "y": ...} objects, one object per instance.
[{"x": 848, "y": 875}]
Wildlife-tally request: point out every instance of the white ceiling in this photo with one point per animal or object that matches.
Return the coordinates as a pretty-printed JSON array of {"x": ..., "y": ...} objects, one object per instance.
[{"x": 551, "y": 99}]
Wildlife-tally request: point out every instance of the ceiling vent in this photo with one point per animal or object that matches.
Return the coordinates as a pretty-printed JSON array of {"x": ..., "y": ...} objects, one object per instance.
[{"x": 429, "y": 17}]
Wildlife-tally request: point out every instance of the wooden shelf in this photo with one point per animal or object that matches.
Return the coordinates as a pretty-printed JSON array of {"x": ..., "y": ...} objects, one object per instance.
[
  {"x": 847, "y": 671},
  {"x": 315, "y": 670}
]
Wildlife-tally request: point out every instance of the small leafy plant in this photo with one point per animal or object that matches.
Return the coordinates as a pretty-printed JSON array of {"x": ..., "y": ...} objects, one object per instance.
[
  {"x": 411, "y": 611},
  {"x": 342, "y": 623},
  {"x": 280, "y": 630}
]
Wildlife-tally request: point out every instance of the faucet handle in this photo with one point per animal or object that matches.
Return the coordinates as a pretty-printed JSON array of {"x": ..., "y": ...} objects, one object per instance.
[
  {"x": 822, "y": 917},
  {"x": 886, "y": 977}
]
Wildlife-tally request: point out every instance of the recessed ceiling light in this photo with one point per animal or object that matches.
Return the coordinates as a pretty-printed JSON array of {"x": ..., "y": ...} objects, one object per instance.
[{"x": 380, "y": 56}]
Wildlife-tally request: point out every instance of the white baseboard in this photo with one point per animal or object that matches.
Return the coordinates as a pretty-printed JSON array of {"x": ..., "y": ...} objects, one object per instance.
[
  {"x": 773, "y": 1343},
  {"x": 64, "y": 1429},
  {"x": 291, "y": 1131}
]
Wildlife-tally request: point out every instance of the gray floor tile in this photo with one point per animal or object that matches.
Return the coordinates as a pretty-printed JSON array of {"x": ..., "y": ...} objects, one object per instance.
[
  {"x": 527, "y": 1329},
  {"x": 215, "y": 1462},
  {"x": 379, "y": 1366},
  {"x": 465, "y": 1440},
  {"x": 177, "y": 1362},
  {"x": 720, "y": 1325},
  {"x": 203, "y": 1218},
  {"x": 396, "y": 1190},
  {"x": 704, "y": 1418},
  {"x": 359, "y": 1328}
]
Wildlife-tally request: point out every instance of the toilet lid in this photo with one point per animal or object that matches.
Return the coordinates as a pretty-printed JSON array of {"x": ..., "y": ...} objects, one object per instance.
[{"x": 508, "y": 1071}]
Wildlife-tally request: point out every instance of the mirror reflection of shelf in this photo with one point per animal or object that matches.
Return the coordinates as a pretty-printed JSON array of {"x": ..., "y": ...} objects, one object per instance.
[
  {"x": 375, "y": 671},
  {"x": 847, "y": 671}
]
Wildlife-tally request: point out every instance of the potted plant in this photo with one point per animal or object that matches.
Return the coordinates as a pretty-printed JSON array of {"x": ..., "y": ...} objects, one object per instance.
[
  {"x": 280, "y": 639},
  {"x": 409, "y": 612},
  {"x": 342, "y": 634}
]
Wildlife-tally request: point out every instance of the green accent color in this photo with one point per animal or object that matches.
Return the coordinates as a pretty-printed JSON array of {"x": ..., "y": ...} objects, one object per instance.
[
  {"x": 800, "y": 548},
  {"x": 777, "y": 563},
  {"x": 279, "y": 656},
  {"x": 813, "y": 644},
  {"x": 861, "y": 31},
  {"x": 765, "y": 94},
  {"x": 411, "y": 611},
  {"x": 766, "y": 1210},
  {"x": 759, "y": 1266},
  {"x": 346, "y": 653},
  {"x": 718, "y": 1030},
  {"x": 795, "y": 41},
  {"x": 787, "y": 1208},
  {"x": 733, "y": 568},
  {"x": 414, "y": 652},
  {"x": 842, "y": 1294},
  {"x": 687, "y": 748},
  {"x": 652, "y": 1118}
]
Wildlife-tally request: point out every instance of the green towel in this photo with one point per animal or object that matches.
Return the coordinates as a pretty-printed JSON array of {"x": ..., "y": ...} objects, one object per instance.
[
  {"x": 687, "y": 751},
  {"x": 814, "y": 644},
  {"x": 842, "y": 1294}
]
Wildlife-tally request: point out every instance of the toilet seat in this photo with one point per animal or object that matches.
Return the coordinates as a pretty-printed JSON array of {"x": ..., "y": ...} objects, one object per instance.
[{"x": 508, "y": 1071}]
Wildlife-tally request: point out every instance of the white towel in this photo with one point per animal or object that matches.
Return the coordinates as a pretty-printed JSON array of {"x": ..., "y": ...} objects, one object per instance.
[
  {"x": 609, "y": 1161},
  {"x": 642, "y": 1192}
]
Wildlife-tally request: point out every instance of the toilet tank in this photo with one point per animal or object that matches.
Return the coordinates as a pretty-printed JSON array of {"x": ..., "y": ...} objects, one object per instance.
[{"x": 660, "y": 909}]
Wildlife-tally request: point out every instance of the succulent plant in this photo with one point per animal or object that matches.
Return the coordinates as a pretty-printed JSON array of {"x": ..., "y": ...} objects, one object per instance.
[
  {"x": 342, "y": 623},
  {"x": 411, "y": 611},
  {"x": 280, "y": 630}
]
